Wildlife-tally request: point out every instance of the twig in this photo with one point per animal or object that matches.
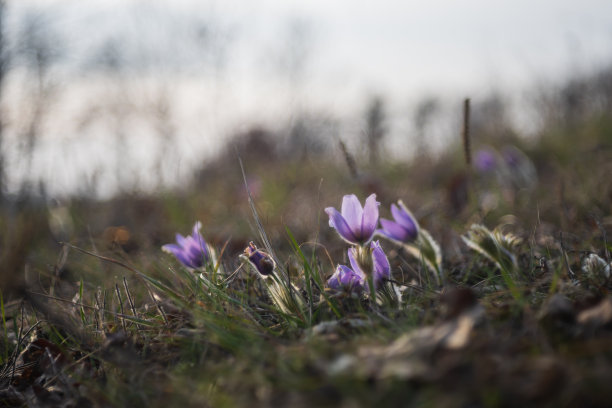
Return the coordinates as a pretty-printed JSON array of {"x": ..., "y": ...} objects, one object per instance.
[{"x": 465, "y": 133}]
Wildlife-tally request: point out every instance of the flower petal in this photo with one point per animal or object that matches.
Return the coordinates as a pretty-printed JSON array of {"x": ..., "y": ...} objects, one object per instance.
[
  {"x": 196, "y": 229},
  {"x": 180, "y": 254},
  {"x": 354, "y": 264},
  {"x": 181, "y": 240},
  {"x": 382, "y": 269},
  {"x": 394, "y": 230},
  {"x": 404, "y": 217},
  {"x": 337, "y": 221},
  {"x": 369, "y": 219},
  {"x": 171, "y": 248},
  {"x": 352, "y": 213},
  {"x": 344, "y": 277}
]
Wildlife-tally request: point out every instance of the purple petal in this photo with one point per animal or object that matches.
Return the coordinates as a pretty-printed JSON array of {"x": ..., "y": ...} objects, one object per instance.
[
  {"x": 344, "y": 277},
  {"x": 195, "y": 251},
  {"x": 334, "y": 281},
  {"x": 393, "y": 230},
  {"x": 382, "y": 232},
  {"x": 370, "y": 218},
  {"x": 382, "y": 269},
  {"x": 354, "y": 264},
  {"x": 181, "y": 240},
  {"x": 403, "y": 216},
  {"x": 352, "y": 213},
  {"x": 196, "y": 231},
  {"x": 180, "y": 254},
  {"x": 339, "y": 223},
  {"x": 172, "y": 248}
]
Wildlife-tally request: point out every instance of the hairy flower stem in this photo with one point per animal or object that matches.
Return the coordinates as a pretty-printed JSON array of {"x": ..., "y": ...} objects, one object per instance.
[{"x": 283, "y": 293}]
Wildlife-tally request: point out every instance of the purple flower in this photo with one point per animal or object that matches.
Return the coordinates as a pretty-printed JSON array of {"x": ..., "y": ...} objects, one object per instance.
[
  {"x": 192, "y": 250},
  {"x": 355, "y": 279},
  {"x": 485, "y": 160},
  {"x": 260, "y": 260},
  {"x": 355, "y": 224},
  {"x": 405, "y": 227},
  {"x": 346, "y": 279}
]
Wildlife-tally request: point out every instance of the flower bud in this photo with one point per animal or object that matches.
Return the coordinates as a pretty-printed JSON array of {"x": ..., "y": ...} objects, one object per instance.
[{"x": 261, "y": 261}]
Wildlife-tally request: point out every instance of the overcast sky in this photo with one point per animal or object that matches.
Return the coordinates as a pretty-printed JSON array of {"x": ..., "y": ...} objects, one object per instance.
[
  {"x": 259, "y": 58},
  {"x": 395, "y": 46}
]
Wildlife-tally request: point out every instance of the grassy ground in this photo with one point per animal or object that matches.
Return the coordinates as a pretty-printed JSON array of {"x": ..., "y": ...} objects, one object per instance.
[{"x": 108, "y": 319}]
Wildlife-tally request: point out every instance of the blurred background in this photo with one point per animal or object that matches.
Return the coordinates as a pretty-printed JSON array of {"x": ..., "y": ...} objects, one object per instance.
[{"x": 100, "y": 97}]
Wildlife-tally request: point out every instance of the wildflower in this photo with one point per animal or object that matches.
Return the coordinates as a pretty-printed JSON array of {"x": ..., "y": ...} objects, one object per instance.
[
  {"x": 486, "y": 160},
  {"x": 356, "y": 279},
  {"x": 192, "y": 250},
  {"x": 260, "y": 260},
  {"x": 405, "y": 227},
  {"x": 355, "y": 224},
  {"x": 346, "y": 278}
]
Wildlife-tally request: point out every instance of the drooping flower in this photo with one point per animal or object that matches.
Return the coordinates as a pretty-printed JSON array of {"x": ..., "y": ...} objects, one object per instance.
[
  {"x": 355, "y": 224},
  {"x": 259, "y": 259},
  {"x": 192, "y": 251},
  {"x": 404, "y": 229},
  {"x": 356, "y": 279}
]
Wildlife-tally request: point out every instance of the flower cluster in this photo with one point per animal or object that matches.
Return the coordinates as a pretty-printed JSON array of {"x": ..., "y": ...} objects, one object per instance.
[
  {"x": 357, "y": 225},
  {"x": 356, "y": 279}
]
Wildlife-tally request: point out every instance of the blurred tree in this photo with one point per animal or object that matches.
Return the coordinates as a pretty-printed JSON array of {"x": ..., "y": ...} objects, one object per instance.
[
  {"x": 425, "y": 111},
  {"x": 110, "y": 59},
  {"x": 376, "y": 127},
  {"x": 38, "y": 49},
  {"x": 165, "y": 128}
]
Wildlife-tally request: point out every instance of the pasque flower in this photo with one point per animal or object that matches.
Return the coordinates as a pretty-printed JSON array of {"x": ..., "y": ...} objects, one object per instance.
[
  {"x": 346, "y": 279},
  {"x": 356, "y": 279},
  {"x": 259, "y": 259},
  {"x": 355, "y": 224},
  {"x": 192, "y": 250},
  {"x": 405, "y": 227}
]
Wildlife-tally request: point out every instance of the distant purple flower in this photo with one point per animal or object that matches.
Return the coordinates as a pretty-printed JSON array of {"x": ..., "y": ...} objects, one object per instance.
[
  {"x": 260, "y": 260},
  {"x": 355, "y": 224},
  {"x": 355, "y": 279},
  {"x": 513, "y": 157},
  {"x": 192, "y": 250},
  {"x": 485, "y": 160},
  {"x": 521, "y": 170},
  {"x": 405, "y": 227}
]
